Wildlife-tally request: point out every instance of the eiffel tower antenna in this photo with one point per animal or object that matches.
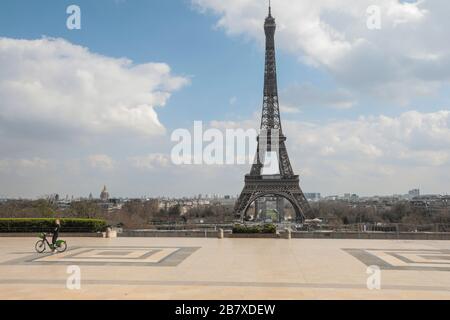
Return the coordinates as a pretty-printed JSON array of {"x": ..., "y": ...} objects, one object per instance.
[{"x": 270, "y": 9}]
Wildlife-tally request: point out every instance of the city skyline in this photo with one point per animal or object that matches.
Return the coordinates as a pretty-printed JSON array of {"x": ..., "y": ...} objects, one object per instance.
[
  {"x": 89, "y": 107},
  {"x": 205, "y": 195}
]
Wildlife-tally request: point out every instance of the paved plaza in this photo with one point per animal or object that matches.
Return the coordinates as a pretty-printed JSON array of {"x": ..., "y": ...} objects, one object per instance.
[{"x": 187, "y": 268}]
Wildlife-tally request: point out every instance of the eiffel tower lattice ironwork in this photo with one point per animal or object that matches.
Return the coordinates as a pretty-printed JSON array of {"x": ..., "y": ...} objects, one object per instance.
[{"x": 285, "y": 184}]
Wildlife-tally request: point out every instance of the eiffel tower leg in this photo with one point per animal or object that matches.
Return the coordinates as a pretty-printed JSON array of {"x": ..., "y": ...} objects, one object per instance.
[
  {"x": 285, "y": 164},
  {"x": 280, "y": 209},
  {"x": 264, "y": 210},
  {"x": 242, "y": 204},
  {"x": 302, "y": 203}
]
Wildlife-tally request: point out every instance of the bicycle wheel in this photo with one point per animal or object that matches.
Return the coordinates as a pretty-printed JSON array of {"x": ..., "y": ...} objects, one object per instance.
[
  {"x": 40, "y": 246},
  {"x": 61, "y": 247}
]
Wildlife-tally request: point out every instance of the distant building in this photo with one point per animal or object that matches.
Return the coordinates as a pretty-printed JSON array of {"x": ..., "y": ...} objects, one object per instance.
[
  {"x": 414, "y": 193},
  {"x": 350, "y": 197},
  {"x": 104, "y": 195},
  {"x": 64, "y": 204},
  {"x": 227, "y": 201},
  {"x": 112, "y": 205},
  {"x": 313, "y": 196},
  {"x": 432, "y": 203}
]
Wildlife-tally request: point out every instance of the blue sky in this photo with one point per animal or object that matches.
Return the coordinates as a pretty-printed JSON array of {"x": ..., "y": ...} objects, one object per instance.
[{"x": 331, "y": 79}]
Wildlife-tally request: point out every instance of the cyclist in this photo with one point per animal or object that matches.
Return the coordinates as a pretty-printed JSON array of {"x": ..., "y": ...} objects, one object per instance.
[{"x": 55, "y": 234}]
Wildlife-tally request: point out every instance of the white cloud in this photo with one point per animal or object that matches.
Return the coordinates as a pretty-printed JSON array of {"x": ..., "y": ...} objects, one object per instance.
[
  {"x": 410, "y": 139},
  {"x": 23, "y": 164},
  {"x": 306, "y": 95},
  {"x": 101, "y": 161},
  {"x": 151, "y": 161},
  {"x": 406, "y": 58},
  {"x": 3, "y": 165},
  {"x": 284, "y": 108},
  {"x": 51, "y": 83}
]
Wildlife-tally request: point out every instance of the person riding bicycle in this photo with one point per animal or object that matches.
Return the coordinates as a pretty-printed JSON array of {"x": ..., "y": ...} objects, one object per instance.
[{"x": 56, "y": 234}]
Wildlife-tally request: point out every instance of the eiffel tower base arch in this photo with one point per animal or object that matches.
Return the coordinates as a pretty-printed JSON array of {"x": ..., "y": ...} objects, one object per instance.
[{"x": 263, "y": 186}]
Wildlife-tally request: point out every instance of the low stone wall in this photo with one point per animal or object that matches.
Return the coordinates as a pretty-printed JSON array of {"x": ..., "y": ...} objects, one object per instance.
[
  {"x": 61, "y": 235},
  {"x": 371, "y": 235},
  {"x": 284, "y": 235},
  {"x": 169, "y": 234},
  {"x": 252, "y": 236},
  {"x": 193, "y": 234}
]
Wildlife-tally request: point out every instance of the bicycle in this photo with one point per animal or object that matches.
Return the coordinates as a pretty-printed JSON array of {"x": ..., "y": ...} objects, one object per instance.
[{"x": 42, "y": 244}]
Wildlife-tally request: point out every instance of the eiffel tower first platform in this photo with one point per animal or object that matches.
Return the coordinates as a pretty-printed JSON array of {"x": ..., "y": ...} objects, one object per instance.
[{"x": 284, "y": 184}]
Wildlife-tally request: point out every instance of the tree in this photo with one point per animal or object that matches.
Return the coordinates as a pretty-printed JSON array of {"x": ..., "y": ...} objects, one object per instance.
[
  {"x": 85, "y": 209},
  {"x": 174, "y": 212}
]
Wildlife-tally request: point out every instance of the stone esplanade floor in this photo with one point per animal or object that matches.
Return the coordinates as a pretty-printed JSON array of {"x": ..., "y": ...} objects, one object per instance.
[{"x": 186, "y": 268}]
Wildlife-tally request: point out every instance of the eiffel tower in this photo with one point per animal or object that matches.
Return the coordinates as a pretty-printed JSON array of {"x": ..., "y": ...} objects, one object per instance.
[{"x": 283, "y": 184}]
